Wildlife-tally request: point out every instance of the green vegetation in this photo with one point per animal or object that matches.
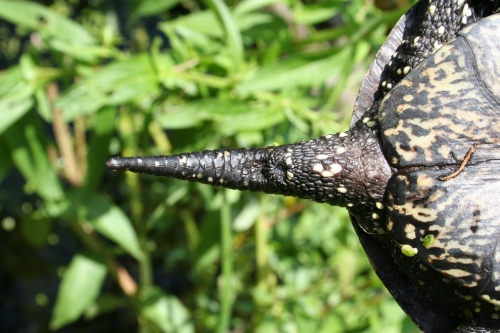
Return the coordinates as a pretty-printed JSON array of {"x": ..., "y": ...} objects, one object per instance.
[{"x": 85, "y": 82}]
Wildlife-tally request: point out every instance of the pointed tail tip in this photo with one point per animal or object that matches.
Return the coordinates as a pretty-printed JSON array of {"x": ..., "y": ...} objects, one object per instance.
[{"x": 114, "y": 163}]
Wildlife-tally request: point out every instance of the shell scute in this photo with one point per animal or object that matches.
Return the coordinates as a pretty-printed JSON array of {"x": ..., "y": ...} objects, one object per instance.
[
  {"x": 464, "y": 227},
  {"x": 447, "y": 104}
]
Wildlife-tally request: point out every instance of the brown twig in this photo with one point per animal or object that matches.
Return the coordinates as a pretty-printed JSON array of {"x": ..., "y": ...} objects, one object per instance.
[
  {"x": 462, "y": 166},
  {"x": 64, "y": 140},
  {"x": 81, "y": 144},
  {"x": 117, "y": 272}
]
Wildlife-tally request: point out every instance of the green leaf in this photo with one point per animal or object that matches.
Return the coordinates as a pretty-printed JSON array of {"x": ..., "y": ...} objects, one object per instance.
[
  {"x": 5, "y": 160},
  {"x": 234, "y": 40},
  {"x": 80, "y": 286},
  {"x": 40, "y": 18},
  {"x": 43, "y": 104},
  {"x": 98, "y": 149},
  {"x": 110, "y": 221},
  {"x": 247, "y": 6},
  {"x": 36, "y": 227},
  {"x": 104, "y": 304},
  {"x": 26, "y": 142},
  {"x": 230, "y": 115},
  {"x": 166, "y": 311},
  {"x": 316, "y": 14},
  {"x": 127, "y": 81},
  {"x": 152, "y": 7},
  {"x": 298, "y": 71},
  {"x": 16, "y": 97},
  {"x": 246, "y": 217},
  {"x": 204, "y": 22}
]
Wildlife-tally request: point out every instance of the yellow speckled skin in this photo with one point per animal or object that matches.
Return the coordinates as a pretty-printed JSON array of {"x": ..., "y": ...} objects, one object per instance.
[
  {"x": 448, "y": 103},
  {"x": 430, "y": 120}
]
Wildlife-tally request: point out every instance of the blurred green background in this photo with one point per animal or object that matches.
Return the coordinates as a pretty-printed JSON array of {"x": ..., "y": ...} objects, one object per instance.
[{"x": 83, "y": 249}]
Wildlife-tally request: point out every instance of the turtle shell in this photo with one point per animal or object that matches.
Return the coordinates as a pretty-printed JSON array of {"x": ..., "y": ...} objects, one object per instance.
[
  {"x": 368, "y": 92},
  {"x": 415, "y": 301},
  {"x": 429, "y": 123}
]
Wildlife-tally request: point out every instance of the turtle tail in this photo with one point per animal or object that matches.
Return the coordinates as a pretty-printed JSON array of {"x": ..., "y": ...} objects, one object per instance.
[{"x": 239, "y": 169}]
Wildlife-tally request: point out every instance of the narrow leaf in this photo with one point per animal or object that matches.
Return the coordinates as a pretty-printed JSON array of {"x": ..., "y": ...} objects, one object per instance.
[
  {"x": 298, "y": 71},
  {"x": 26, "y": 142},
  {"x": 166, "y": 311},
  {"x": 117, "y": 83},
  {"x": 15, "y": 97},
  {"x": 80, "y": 287},
  {"x": 234, "y": 40},
  {"x": 110, "y": 221},
  {"x": 98, "y": 149},
  {"x": 40, "y": 18},
  {"x": 152, "y": 7}
]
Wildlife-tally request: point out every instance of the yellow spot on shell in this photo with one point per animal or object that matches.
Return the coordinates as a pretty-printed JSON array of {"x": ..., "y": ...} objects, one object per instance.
[
  {"x": 390, "y": 225},
  {"x": 408, "y": 98},
  {"x": 410, "y": 231},
  {"x": 488, "y": 299},
  {"x": 341, "y": 190},
  {"x": 424, "y": 181}
]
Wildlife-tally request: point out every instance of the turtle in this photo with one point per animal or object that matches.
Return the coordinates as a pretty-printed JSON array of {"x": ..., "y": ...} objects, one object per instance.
[{"x": 414, "y": 170}]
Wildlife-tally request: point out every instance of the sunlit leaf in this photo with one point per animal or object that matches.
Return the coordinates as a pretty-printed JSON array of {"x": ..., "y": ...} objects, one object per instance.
[
  {"x": 166, "y": 311},
  {"x": 110, "y": 221},
  {"x": 15, "y": 97},
  {"x": 26, "y": 142},
  {"x": 119, "y": 82},
  {"x": 294, "y": 72},
  {"x": 41, "y": 18},
  {"x": 79, "y": 287}
]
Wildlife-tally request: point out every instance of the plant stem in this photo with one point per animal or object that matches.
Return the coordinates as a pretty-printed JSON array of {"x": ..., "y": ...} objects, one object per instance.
[
  {"x": 261, "y": 252},
  {"x": 227, "y": 268}
]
